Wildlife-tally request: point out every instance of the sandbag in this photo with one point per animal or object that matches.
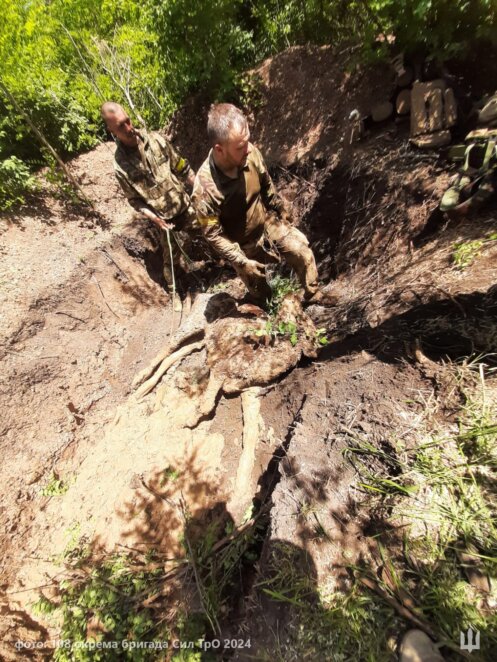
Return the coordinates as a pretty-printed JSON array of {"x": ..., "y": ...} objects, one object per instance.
[
  {"x": 433, "y": 112},
  {"x": 432, "y": 140},
  {"x": 427, "y": 107}
]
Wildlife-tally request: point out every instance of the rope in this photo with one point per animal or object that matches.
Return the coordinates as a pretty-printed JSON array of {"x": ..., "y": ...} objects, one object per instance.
[
  {"x": 173, "y": 276},
  {"x": 182, "y": 250},
  {"x": 188, "y": 259}
]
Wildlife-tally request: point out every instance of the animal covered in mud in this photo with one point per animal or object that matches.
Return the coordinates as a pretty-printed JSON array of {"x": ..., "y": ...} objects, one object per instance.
[{"x": 244, "y": 346}]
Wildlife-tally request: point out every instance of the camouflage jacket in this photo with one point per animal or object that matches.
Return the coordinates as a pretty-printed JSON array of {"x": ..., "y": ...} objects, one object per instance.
[
  {"x": 232, "y": 211},
  {"x": 152, "y": 175}
]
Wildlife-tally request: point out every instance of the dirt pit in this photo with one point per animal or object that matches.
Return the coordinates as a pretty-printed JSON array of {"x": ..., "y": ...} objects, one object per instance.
[{"x": 87, "y": 463}]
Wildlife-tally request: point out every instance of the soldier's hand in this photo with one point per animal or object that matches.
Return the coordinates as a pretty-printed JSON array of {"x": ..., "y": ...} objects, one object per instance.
[
  {"x": 255, "y": 269},
  {"x": 161, "y": 223},
  {"x": 190, "y": 180}
]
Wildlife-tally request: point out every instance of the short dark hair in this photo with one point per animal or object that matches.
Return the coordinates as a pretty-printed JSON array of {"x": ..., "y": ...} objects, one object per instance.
[{"x": 222, "y": 119}]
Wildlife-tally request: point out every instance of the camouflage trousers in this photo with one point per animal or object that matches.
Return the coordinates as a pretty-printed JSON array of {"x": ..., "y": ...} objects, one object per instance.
[
  {"x": 279, "y": 240},
  {"x": 182, "y": 223}
]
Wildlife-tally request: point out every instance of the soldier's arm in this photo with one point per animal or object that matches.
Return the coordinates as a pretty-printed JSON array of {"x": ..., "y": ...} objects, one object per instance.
[
  {"x": 269, "y": 195},
  {"x": 227, "y": 249},
  {"x": 179, "y": 165},
  {"x": 207, "y": 212},
  {"x": 134, "y": 199},
  {"x": 138, "y": 203}
]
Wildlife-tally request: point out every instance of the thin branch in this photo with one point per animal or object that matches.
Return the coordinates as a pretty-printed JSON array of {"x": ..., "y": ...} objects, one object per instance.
[
  {"x": 103, "y": 296},
  {"x": 407, "y": 613},
  {"x": 78, "y": 319},
  {"x": 107, "y": 254},
  {"x": 89, "y": 72},
  {"x": 118, "y": 71},
  {"x": 212, "y": 618}
]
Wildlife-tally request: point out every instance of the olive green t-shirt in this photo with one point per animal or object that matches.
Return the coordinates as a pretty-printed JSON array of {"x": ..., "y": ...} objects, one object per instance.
[{"x": 232, "y": 211}]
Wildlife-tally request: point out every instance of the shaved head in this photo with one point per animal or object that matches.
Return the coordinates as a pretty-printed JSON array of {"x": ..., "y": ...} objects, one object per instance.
[
  {"x": 118, "y": 123},
  {"x": 111, "y": 108}
]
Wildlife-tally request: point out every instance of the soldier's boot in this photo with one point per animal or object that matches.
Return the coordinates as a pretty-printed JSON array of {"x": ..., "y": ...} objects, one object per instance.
[
  {"x": 486, "y": 188},
  {"x": 477, "y": 181},
  {"x": 416, "y": 646}
]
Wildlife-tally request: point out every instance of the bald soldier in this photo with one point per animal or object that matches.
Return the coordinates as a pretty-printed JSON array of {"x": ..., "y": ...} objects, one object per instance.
[
  {"x": 154, "y": 179},
  {"x": 240, "y": 213}
]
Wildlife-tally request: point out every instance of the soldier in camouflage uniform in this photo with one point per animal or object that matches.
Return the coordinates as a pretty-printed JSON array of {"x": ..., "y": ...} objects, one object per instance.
[
  {"x": 153, "y": 177},
  {"x": 240, "y": 213}
]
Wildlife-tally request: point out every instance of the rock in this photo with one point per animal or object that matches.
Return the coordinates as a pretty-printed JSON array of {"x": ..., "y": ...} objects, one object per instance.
[
  {"x": 403, "y": 102},
  {"x": 382, "y": 111},
  {"x": 488, "y": 114},
  {"x": 405, "y": 78}
]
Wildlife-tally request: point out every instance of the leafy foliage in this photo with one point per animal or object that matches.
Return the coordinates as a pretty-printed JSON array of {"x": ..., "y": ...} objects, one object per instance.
[
  {"x": 443, "y": 493},
  {"x": 280, "y": 287},
  {"x": 55, "y": 487},
  {"x": 105, "y": 605},
  {"x": 442, "y": 27},
  {"x": 15, "y": 181},
  {"x": 61, "y": 59},
  {"x": 110, "y": 607},
  {"x": 352, "y": 624},
  {"x": 466, "y": 252},
  {"x": 201, "y": 44},
  {"x": 53, "y": 68}
]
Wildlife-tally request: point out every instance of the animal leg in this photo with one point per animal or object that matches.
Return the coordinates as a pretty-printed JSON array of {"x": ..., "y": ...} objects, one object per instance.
[
  {"x": 208, "y": 400},
  {"x": 167, "y": 362},
  {"x": 252, "y": 423}
]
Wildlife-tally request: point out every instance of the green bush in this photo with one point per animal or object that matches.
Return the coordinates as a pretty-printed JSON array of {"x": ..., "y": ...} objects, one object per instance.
[
  {"x": 203, "y": 44},
  {"x": 15, "y": 181},
  {"x": 105, "y": 606},
  {"x": 442, "y": 27},
  {"x": 61, "y": 59}
]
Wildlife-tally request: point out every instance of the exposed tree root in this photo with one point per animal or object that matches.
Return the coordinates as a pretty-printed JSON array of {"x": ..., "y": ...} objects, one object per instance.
[
  {"x": 152, "y": 366},
  {"x": 236, "y": 359}
]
